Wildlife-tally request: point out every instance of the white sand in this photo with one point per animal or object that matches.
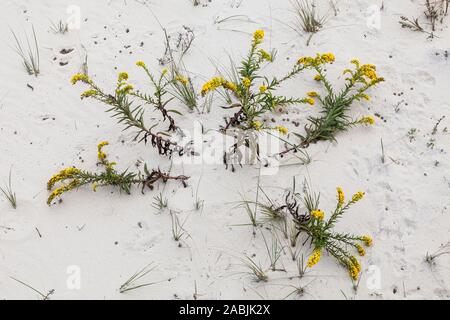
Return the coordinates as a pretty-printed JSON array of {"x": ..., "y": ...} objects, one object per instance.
[{"x": 406, "y": 208}]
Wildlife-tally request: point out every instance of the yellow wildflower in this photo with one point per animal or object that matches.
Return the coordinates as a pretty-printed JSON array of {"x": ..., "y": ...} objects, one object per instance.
[
  {"x": 310, "y": 101},
  {"x": 257, "y": 125},
  {"x": 361, "y": 250},
  {"x": 141, "y": 64},
  {"x": 354, "y": 273},
  {"x": 127, "y": 88},
  {"x": 365, "y": 96},
  {"x": 246, "y": 82},
  {"x": 319, "y": 214},
  {"x": 123, "y": 76},
  {"x": 355, "y": 62},
  {"x": 59, "y": 191},
  {"x": 213, "y": 84},
  {"x": 101, "y": 155},
  {"x": 314, "y": 258},
  {"x": 88, "y": 93},
  {"x": 181, "y": 79},
  {"x": 340, "y": 196},
  {"x": 354, "y": 268},
  {"x": 80, "y": 77},
  {"x": 265, "y": 55},
  {"x": 262, "y": 89},
  {"x": 307, "y": 61},
  {"x": 229, "y": 86},
  {"x": 258, "y": 36},
  {"x": 367, "y": 240},
  {"x": 282, "y": 130},
  {"x": 358, "y": 196},
  {"x": 317, "y": 77},
  {"x": 369, "y": 120},
  {"x": 328, "y": 57},
  {"x": 312, "y": 94},
  {"x": 368, "y": 70},
  {"x": 62, "y": 175}
]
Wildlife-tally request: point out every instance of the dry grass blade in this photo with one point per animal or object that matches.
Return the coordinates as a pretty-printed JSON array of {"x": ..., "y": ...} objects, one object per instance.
[
  {"x": 443, "y": 250},
  {"x": 131, "y": 283},
  {"x": 43, "y": 296}
]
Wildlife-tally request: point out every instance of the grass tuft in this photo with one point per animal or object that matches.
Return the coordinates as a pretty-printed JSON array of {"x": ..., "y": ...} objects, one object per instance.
[
  {"x": 9, "y": 194},
  {"x": 30, "y": 57}
]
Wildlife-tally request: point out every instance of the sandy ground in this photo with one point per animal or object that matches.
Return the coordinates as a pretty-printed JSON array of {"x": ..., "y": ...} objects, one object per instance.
[{"x": 100, "y": 239}]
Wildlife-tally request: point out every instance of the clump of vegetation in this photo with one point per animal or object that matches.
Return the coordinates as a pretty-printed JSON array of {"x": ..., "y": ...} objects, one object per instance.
[
  {"x": 73, "y": 178},
  {"x": 127, "y": 105},
  {"x": 435, "y": 12},
  {"x": 253, "y": 99},
  {"x": 309, "y": 220},
  {"x": 9, "y": 194},
  {"x": 308, "y": 17},
  {"x": 60, "y": 27},
  {"x": 442, "y": 250},
  {"x": 253, "y": 95},
  {"x": 29, "y": 55},
  {"x": 334, "y": 116}
]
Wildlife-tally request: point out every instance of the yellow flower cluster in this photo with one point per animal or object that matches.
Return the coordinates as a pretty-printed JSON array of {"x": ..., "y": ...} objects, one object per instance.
[
  {"x": 262, "y": 89},
  {"x": 257, "y": 125},
  {"x": 246, "y": 82},
  {"x": 182, "y": 79},
  {"x": 80, "y": 77},
  {"x": 358, "y": 196},
  {"x": 367, "y": 240},
  {"x": 310, "y": 101},
  {"x": 361, "y": 250},
  {"x": 314, "y": 258},
  {"x": 317, "y": 60},
  {"x": 317, "y": 77},
  {"x": 340, "y": 196},
  {"x": 62, "y": 175},
  {"x": 59, "y": 191},
  {"x": 88, "y": 93},
  {"x": 312, "y": 94},
  {"x": 265, "y": 55},
  {"x": 282, "y": 130},
  {"x": 123, "y": 76},
  {"x": 318, "y": 214},
  {"x": 354, "y": 268},
  {"x": 258, "y": 36},
  {"x": 124, "y": 88},
  {"x": 365, "y": 96},
  {"x": 369, "y": 120},
  {"x": 215, "y": 83},
  {"x": 369, "y": 70},
  {"x": 141, "y": 64},
  {"x": 100, "y": 154}
]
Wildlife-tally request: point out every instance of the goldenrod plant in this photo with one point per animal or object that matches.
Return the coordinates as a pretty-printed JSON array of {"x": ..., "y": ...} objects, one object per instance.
[
  {"x": 254, "y": 94},
  {"x": 335, "y": 105},
  {"x": 303, "y": 209},
  {"x": 127, "y": 105},
  {"x": 73, "y": 178},
  {"x": 321, "y": 234}
]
